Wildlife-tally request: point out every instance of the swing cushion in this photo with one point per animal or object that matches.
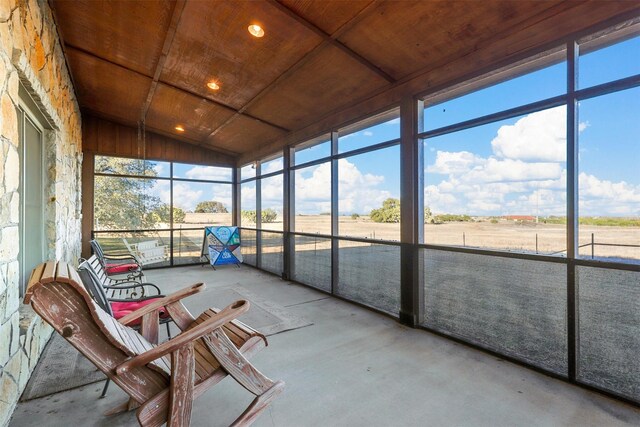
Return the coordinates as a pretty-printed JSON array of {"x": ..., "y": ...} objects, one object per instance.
[
  {"x": 121, "y": 268},
  {"x": 121, "y": 309}
]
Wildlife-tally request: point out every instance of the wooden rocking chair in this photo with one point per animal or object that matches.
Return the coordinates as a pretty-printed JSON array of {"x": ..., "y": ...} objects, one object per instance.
[{"x": 161, "y": 380}]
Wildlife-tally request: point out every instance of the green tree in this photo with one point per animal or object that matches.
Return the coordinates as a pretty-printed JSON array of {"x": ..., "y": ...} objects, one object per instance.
[
  {"x": 124, "y": 203},
  {"x": 428, "y": 216},
  {"x": 162, "y": 214},
  {"x": 389, "y": 212},
  {"x": 210, "y": 206},
  {"x": 268, "y": 215}
]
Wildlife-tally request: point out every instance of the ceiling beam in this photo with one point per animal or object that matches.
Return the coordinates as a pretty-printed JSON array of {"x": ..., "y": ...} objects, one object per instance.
[
  {"x": 332, "y": 39},
  {"x": 295, "y": 67},
  {"x": 168, "y": 41}
]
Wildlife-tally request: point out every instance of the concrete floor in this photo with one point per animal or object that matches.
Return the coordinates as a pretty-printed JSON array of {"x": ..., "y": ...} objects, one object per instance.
[{"x": 354, "y": 367}]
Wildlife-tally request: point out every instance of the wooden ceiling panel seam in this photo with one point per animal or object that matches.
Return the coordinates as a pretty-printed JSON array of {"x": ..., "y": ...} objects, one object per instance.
[
  {"x": 310, "y": 55},
  {"x": 304, "y": 133},
  {"x": 333, "y": 40},
  {"x": 326, "y": 82}
]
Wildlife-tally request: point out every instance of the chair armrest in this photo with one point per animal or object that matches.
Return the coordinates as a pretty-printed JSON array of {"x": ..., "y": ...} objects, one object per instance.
[
  {"x": 176, "y": 296},
  {"x": 121, "y": 285},
  {"x": 129, "y": 259},
  {"x": 134, "y": 299},
  {"x": 229, "y": 313},
  {"x": 123, "y": 252}
]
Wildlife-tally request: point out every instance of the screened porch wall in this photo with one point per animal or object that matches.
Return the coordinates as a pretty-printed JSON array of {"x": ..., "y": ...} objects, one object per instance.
[{"x": 559, "y": 299}]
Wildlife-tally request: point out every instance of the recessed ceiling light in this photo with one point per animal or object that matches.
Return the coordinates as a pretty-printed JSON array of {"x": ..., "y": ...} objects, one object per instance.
[
  {"x": 179, "y": 128},
  {"x": 213, "y": 85},
  {"x": 256, "y": 30}
]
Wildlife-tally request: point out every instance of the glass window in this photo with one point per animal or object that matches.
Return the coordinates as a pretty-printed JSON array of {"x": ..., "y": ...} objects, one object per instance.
[
  {"x": 270, "y": 166},
  {"x": 130, "y": 203},
  {"x": 518, "y": 90},
  {"x": 382, "y": 128},
  {"x": 196, "y": 204},
  {"x": 313, "y": 199},
  {"x": 271, "y": 200},
  {"x": 248, "y": 171},
  {"x": 609, "y": 57},
  {"x": 369, "y": 195},
  {"x": 500, "y": 185},
  {"x": 609, "y": 193},
  {"x": 122, "y": 166},
  {"x": 248, "y": 204},
  {"x": 204, "y": 173},
  {"x": 313, "y": 150}
]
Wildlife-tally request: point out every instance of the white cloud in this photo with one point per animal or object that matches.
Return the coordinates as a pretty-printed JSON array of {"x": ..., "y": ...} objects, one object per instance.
[
  {"x": 185, "y": 197},
  {"x": 583, "y": 126},
  {"x": 358, "y": 192},
  {"x": 209, "y": 173},
  {"x": 367, "y": 133},
  {"x": 539, "y": 136},
  {"x": 597, "y": 196},
  {"x": 159, "y": 168},
  {"x": 454, "y": 162},
  {"x": 509, "y": 170},
  {"x": 272, "y": 166},
  {"x": 248, "y": 197}
]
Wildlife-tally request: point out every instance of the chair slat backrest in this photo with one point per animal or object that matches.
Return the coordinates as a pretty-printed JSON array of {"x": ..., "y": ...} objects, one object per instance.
[
  {"x": 92, "y": 283},
  {"x": 97, "y": 250},
  {"x": 101, "y": 273}
]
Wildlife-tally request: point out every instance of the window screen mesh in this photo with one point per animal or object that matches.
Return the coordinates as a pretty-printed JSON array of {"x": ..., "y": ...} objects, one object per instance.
[
  {"x": 369, "y": 273},
  {"x": 248, "y": 246},
  {"x": 609, "y": 329},
  {"x": 272, "y": 247},
  {"x": 513, "y": 306},
  {"x": 312, "y": 262}
]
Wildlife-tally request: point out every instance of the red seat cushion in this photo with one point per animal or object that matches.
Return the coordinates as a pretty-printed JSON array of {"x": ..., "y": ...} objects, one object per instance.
[
  {"x": 121, "y": 309},
  {"x": 120, "y": 268}
]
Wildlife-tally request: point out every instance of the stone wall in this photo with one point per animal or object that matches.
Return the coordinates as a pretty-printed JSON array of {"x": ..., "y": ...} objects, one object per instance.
[{"x": 31, "y": 55}]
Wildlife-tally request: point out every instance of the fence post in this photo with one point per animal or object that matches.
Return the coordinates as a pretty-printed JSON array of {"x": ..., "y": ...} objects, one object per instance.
[{"x": 593, "y": 246}]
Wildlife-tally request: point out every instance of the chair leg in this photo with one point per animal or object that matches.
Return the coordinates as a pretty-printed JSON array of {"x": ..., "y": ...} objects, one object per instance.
[
  {"x": 168, "y": 330},
  {"x": 258, "y": 405},
  {"x": 104, "y": 390}
]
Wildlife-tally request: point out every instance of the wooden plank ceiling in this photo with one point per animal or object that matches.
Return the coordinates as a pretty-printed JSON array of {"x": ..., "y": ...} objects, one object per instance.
[{"x": 154, "y": 58}]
